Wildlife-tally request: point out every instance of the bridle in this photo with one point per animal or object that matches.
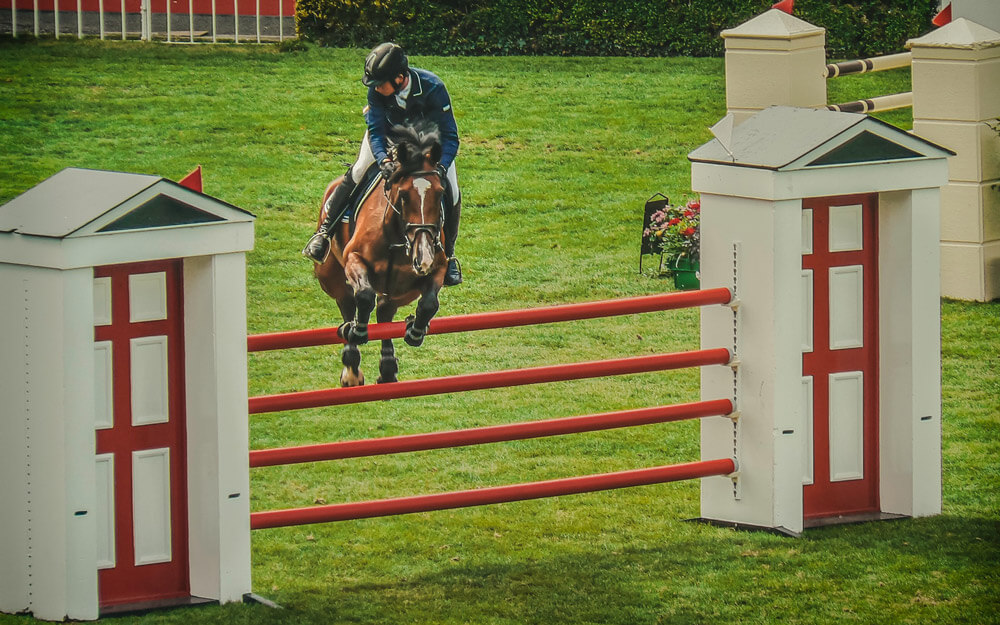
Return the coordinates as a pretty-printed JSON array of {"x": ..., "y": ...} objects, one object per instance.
[{"x": 434, "y": 230}]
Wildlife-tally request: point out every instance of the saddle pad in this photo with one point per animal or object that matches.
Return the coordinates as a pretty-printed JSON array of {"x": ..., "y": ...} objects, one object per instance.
[{"x": 371, "y": 179}]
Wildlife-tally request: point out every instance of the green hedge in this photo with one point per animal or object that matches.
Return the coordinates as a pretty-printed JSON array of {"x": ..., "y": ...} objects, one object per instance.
[{"x": 598, "y": 27}]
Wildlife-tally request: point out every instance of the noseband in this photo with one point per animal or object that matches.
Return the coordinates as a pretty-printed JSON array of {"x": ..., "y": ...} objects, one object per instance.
[{"x": 434, "y": 230}]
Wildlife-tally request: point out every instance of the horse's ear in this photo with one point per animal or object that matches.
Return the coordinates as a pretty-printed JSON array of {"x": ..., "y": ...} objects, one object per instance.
[
  {"x": 435, "y": 154},
  {"x": 402, "y": 152}
]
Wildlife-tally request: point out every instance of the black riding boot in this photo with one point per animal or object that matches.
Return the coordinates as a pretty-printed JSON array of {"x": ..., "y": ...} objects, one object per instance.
[
  {"x": 453, "y": 212},
  {"x": 319, "y": 245}
]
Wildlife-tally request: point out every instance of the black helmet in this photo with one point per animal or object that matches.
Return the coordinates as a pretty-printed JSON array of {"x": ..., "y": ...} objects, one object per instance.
[{"x": 384, "y": 62}]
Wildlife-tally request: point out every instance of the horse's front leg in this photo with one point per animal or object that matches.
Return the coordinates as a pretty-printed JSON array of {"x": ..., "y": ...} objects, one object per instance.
[
  {"x": 417, "y": 325},
  {"x": 350, "y": 355},
  {"x": 388, "y": 366},
  {"x": 354, "y": 330},
  {"x": 356, "y": 272}
]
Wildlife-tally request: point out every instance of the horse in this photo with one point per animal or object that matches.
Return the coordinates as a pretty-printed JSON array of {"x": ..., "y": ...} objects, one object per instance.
[{"x": 394, "y": 256}]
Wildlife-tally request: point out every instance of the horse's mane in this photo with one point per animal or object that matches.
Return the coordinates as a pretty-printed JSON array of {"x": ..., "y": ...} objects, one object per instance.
[{"x": 412, "y": 142}]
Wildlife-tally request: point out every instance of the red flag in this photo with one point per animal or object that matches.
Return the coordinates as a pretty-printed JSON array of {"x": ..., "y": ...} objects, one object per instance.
[
  {"x": 784, "y": 5},
  {"x": 943, "y": 17},
  {"x": 192, "y": 180}
]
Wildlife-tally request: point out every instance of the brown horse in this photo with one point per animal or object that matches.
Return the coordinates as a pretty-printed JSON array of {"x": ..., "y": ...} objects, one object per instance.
[{"x": 395, "y": 255}]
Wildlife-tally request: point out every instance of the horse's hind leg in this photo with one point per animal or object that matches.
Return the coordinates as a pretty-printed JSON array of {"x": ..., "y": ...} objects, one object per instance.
[{"x": 388, "y": 366}]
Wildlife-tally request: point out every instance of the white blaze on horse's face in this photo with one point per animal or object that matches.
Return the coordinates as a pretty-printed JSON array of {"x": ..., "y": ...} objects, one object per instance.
[
  {"x": 423, "y": 252},
  {"x": 422, "y": 185}
]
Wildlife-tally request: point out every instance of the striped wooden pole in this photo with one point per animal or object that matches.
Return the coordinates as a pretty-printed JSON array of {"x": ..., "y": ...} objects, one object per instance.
[
  {"x": 873, "y": 64},
  {"x": 876, "y": 104}
]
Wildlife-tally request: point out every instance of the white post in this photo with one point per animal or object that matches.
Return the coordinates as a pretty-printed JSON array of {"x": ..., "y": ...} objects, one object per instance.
[
  {"x": 956, "y": 103},
  {"x": 147, "y": 17},
  {"x": 774, "y": 59},
  {"x": 910, "y": 353},
  {"x": 768, "y": 383},
  {"x": 217, "y": 426},
  {"x": 49, "y": 518}
]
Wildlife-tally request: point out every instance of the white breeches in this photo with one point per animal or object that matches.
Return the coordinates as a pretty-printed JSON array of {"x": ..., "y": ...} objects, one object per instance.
[{"x": 366, "y": 158}]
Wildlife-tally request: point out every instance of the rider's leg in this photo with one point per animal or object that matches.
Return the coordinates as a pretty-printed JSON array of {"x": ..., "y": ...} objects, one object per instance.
[
  {"x": 453, "y": 213},
  {"x": 319, "y": 245}
]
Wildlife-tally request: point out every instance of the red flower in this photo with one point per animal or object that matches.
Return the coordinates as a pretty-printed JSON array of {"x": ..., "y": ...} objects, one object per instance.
[
  {"x": 689, "y": 232},
  {"x": 674, "y": 221}
]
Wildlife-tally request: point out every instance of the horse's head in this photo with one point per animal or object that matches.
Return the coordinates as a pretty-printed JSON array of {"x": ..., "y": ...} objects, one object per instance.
[{"x": 416, "y": 192}]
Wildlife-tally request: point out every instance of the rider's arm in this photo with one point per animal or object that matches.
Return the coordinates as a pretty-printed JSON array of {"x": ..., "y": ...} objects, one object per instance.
[
  {"x": 445, "y": 118},
  {"x": 375, "y": 117}
]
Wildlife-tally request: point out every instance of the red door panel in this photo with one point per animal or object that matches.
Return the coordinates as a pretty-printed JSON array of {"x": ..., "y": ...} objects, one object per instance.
[
  {"x": 155, "y": 446},
  {"x": 844, "y": 373}
]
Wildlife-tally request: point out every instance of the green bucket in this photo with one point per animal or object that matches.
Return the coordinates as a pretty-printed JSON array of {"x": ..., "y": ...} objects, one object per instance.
[{"x": 686, "y": 274}]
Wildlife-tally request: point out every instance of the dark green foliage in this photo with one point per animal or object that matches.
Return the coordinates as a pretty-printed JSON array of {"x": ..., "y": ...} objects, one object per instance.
[{"x": 598, "y": 27}]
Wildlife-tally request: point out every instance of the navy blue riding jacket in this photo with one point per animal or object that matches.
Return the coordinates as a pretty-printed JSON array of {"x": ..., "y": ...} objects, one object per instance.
[{"x": 428, "y": 99}]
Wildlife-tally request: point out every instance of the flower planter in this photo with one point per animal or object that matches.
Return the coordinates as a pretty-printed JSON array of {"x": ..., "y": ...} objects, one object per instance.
[{"x": 686, "y": 274}]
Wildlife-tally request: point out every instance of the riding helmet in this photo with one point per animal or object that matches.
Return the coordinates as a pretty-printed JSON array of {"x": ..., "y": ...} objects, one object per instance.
[{"x": 384, "y": 62}]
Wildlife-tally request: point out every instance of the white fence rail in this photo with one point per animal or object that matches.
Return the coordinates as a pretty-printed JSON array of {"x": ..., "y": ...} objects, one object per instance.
[{"x": 181, "y": 21}]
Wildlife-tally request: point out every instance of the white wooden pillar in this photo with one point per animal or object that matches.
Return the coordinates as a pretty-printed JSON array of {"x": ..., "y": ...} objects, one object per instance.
[
  {"x": 767, "y": 236},
  {"x": 774, "y": 59},
  {"x": 910, "y": 353},
  {"x": 956, "y": 103},
  {"x": 47, "y": 545},
  {"x": 217, "y": 427}
]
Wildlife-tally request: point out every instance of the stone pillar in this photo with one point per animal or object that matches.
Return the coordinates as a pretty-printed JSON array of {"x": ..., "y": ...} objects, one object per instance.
[
  {"x": 774, "y": 59},
  {"x": 956, "y": 103},
  {"x": 984, "y": 12}
]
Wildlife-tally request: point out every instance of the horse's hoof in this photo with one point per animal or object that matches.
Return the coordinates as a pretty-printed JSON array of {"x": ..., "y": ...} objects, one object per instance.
[
  {"x": 352, "y": 378},
  {"x": 413, "y": 336},
  {"x": 387, "y": 368}
]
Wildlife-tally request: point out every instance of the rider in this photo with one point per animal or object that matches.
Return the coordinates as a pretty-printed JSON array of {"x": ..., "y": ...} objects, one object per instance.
[{"x": 398, "y": 93}]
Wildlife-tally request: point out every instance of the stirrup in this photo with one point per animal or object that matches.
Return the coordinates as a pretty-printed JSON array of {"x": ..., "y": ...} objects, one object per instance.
[
  {"x": 458, "y": 266},
  {"x": 327, "y": 244}
]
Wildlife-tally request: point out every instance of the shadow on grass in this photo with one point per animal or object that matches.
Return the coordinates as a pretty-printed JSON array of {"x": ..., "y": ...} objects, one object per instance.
[{"x": 928, "y": 570}]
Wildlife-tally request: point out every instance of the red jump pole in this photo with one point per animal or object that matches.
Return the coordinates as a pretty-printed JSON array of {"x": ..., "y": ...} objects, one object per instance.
[
  {"x": 489, "y": 434},
  {"x": 490, "y": 379},
  {"x": 497, "y": 494},
  {"x": 503, "y": 319}
]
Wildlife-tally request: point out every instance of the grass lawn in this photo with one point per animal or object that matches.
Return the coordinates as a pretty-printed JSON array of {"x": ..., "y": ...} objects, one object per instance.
[{"x": 558, "y": 156}]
